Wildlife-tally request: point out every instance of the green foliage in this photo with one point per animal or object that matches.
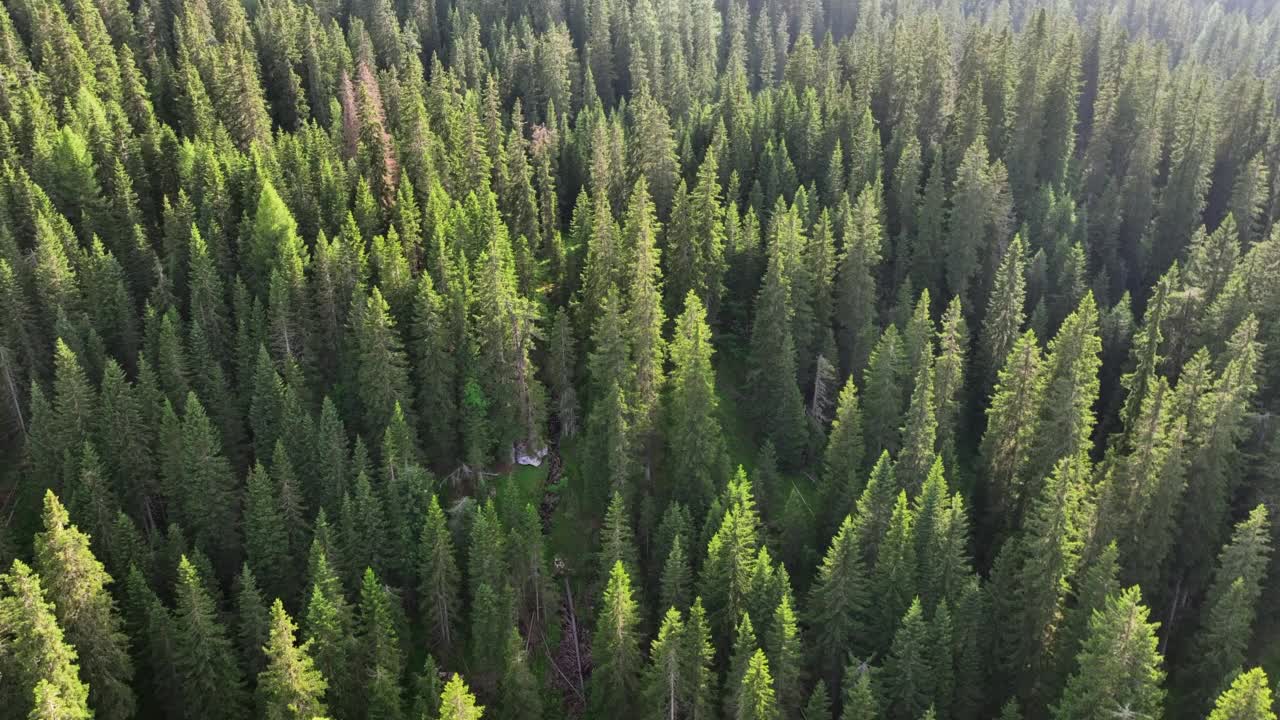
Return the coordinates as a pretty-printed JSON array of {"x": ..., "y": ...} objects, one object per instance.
[
  {"x": 1119, "y": 667},
  {"x": 1248, "y": 698},
  {"x": 77, "y": 582},
  {"x": 290, "y": 686}
]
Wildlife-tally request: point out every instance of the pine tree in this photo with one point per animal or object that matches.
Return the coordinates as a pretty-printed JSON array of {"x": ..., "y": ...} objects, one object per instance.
[
  {"x": 43, "y": 663},
  {"x": 644, "y": 320},
  {"x": 696, "y": 453},
  {"x": 615, "y": 647},
  {"x": 290, "y": 686},
  {"x": 209, "y": 678},
  {"x": 1119, "y": 666},
  {"x": 1248, "y": 698}
]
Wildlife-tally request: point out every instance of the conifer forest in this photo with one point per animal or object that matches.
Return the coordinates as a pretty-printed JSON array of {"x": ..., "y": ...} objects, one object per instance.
[{"x": 639, "y": 359}]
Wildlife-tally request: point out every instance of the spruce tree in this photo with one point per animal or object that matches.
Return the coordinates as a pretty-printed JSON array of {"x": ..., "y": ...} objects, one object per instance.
[
  {"x": 856, "y": 291},
  {"x": 778, "y": 406},
  {"x": 1248, "y": 698},
  {"x": 1119, "y": 665},
  {"x": 882, "y": 396},
  {"x": 842, "y": 479},
  {"x": 43, "y": 663},
  {"x": 838, "y": 602},
  {"x": 909, "y": 679},
  {"x": 1231, "y": 605},
  {"x": 438, "y": 577},
  {"x": 1005, "y": 308},
  {"x": 208, "y": 675},
  {"x": 457, "y": 702},
  {"x": 665, "y": 689},
  {"x": 378, "y": 654},
  {"x": 782, "y": 644},
  {"x": 860, "y": 699},
  {"x": 77, "y": 582},
  {"x": 253, "y": 621},
  {"x": 615, "y": 648},
  {"x": 290, "y": 687},
  {"x": 696, "y": 453},
  {"x": 518, "y": 686},
  {"x": 756, "y": 699}
]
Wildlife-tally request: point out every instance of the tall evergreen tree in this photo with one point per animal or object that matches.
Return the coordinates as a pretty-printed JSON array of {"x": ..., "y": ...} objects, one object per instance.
[
  {"x": 1119, "y": 666},
  {"x": 694, "y": 438},
  {"x": 1231, "y": 605},
  {"x": 77, "y": 582},
  {"x": 290, "y": 686},
  {"x": 1248, "y": 698},
  {"x": 43, "y": 663},
  {"x": 615, "y": 647},
  {"x": 208, "y": 675}
]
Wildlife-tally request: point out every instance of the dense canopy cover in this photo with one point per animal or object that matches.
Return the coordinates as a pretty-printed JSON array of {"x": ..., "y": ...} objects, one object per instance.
[{"x": 655, "y": 359}]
